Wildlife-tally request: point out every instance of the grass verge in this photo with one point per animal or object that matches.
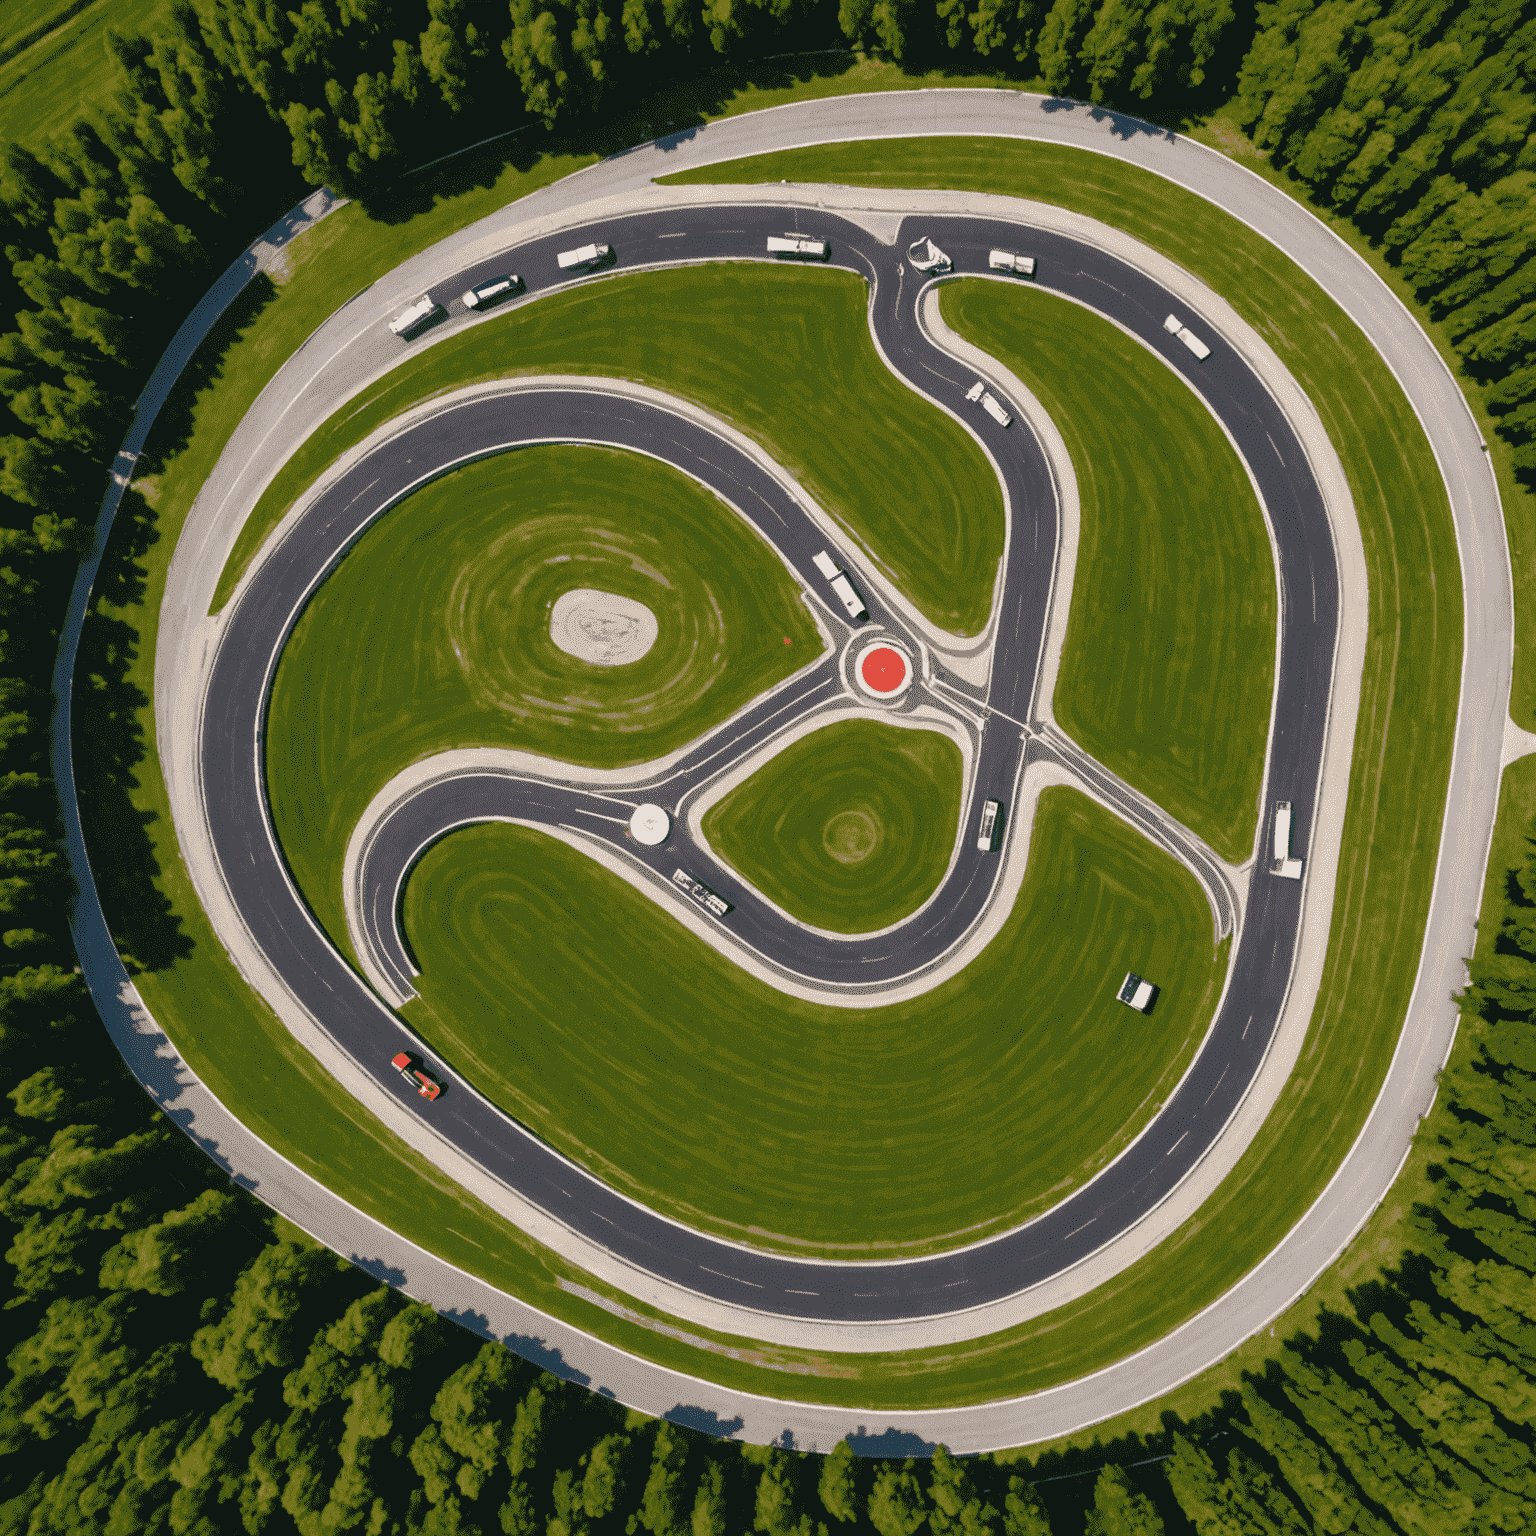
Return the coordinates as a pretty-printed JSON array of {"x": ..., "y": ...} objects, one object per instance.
[
  {"x": 647, "y": 1056},
  {"x": 905, "y": 479},
  {"x": 1169, "y": 662},
  {"x": 849, "y": 828},
  {"x": 434, "y": 633}
]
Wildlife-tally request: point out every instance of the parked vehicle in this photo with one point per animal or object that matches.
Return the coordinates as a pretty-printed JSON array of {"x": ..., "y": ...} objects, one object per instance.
[{"x": 1136, "y": 992}]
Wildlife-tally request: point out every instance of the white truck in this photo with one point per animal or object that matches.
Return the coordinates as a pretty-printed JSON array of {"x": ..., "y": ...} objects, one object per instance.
[
  {"x": 1136, "y": 992},
  {"x": 584, "y": 256},
  {"x": 979, "y": 394},
  {"x": 495, "y": 289},
  {"x": 801, "y": 247},
  {"x": 414, "y": 316},
  {"x": 841, "y": 585},
  {"x": 925, "y": 256},
  {"x": 1176, "y": 327},
  {"x": 1283, "y": 864},
  {"x": 712, "y": 902},
  {"x": 1009, "y": 261},
  {"x": 991, "y": 828}
]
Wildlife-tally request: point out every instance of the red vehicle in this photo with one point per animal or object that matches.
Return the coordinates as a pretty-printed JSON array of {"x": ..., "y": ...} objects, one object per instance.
[{"x": 410, "y": 1068}]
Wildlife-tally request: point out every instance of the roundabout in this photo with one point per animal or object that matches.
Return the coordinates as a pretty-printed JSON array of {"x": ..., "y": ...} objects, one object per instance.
[{"x": 995, "y": 697}]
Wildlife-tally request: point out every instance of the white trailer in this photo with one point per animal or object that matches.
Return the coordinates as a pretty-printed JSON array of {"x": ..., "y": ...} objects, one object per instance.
[
  {"x": 584, "y": 256},
  {"x": 826, "y": 564},
  {"x": 1136, "y": 992},
  {"x": 712, "y": 902},
  {"x": 991, "y": 826},
  {"x": 991, "y": 405},
  {"x": 414, "y": 316},
  {"x": 849, "y": 598},
  {"x": 1176, "y": 327},
  {"x": 1283, "y": 864},
  {"x": 925, "y": 256},
  {"x": 802, "y": 247},
  {"x": 489, "y": 292},
  {"x": 1009, "y": 261}
]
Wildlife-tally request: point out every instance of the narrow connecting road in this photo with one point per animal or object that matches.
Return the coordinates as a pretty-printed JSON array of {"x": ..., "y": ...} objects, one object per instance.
[{"x": 258, "y": 624}]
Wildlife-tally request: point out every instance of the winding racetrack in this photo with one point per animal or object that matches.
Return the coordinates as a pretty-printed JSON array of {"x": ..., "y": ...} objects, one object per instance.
[
  {"x": 254, "y": 872},
  {"x": 367, "y": 1032}
]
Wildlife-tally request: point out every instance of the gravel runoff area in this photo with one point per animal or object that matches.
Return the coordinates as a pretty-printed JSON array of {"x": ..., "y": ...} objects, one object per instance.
[{"x": 1474, "y": 791}]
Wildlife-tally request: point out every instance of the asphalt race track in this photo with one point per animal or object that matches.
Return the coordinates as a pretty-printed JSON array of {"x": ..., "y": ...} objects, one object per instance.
[{"x": 258, "y": 623}]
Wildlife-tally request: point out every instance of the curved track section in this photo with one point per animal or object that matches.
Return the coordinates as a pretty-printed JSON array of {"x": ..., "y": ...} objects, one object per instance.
[{"x": 269, "y": 602}]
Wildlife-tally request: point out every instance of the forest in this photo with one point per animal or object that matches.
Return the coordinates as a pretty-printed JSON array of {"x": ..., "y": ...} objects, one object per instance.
[{"x": 180, "y": 1359}]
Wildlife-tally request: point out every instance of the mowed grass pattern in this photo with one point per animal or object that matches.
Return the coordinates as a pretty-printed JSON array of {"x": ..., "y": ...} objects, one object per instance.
[
  {"x": 433, "y": 633},
  {"x": 1169, "y": 663},
  {"x": 783, "y": 353},
  {"x": 604, "y": 1024},
  {"x": 850, "y": 828}
]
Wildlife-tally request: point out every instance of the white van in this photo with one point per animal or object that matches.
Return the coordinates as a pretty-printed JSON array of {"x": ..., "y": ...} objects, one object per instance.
[
  {"x": 850, "y": 599},
  {"x": 1137, "y": 993},
  {"x": 805, "y": 247},
  {"x": 584, "y": 256},
  {"x": 415, "y": 316},
  {"x": 991, "y": 826},
  {"x": 1007, "y": 261},
  {"x": 487, "y": 293}
]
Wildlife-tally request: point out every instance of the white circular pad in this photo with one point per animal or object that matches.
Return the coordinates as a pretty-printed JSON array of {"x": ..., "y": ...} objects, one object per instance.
[
  {"x": 649, "y": 825},
  {"x": 602, "y": 627}
]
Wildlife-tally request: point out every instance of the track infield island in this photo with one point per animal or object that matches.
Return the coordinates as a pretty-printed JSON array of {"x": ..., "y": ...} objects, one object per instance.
[
  {"x": 850, "y": 828},
  {"x": 848, "y": 1133},
  {"x": 1119, "y": 1313},
  {"x": 434, "y": 632}
]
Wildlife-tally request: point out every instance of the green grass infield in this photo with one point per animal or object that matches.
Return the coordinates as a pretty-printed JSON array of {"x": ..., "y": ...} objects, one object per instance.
[
  {"x": 905, "y": 480},
  {"x": 1169, "y": 662},
  {"x": 850, "y": 828},
  {"x": 434, "y": 632},
  {"x": 595, "y": 1017}
]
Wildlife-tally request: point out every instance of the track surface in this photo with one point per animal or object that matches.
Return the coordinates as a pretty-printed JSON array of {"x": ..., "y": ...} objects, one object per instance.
[{"x": 259, "y": 622}]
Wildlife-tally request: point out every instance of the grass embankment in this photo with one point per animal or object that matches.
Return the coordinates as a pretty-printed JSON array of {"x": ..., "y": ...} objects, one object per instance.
[
  {"x": 434, "y": 632},
  {"x": 1169, "y": 663},
  {"x": 1409, "y": 691},
  {"x": 902, "y": 477},
  {"x": 637, "y": 1049},
  {"x": 235, "y": 1044},
  {"x": 850, "y": 828}
]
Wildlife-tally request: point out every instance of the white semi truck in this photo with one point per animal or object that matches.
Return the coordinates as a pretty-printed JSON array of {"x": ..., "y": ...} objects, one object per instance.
[
  {"x": 979, "y": 394},
  {"x": 841, "y": 585},
  {"x": 1176, "y": 327},
  {"x": 800, "y": 247},
  {"x": 584, "y": 256},
  {"x": 483, "y": 295},
  {"x": 1283, "y": 864},
  {"x": 414, "y": 316},
  {"x": 1009, "y": 261}
]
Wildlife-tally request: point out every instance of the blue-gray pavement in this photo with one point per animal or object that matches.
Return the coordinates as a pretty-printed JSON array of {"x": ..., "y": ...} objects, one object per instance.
[{"x": 1407, "y": 1090}]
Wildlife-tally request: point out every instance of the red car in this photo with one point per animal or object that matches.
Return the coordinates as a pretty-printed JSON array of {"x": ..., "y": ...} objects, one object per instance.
[{"x": 410, "y": 1068}]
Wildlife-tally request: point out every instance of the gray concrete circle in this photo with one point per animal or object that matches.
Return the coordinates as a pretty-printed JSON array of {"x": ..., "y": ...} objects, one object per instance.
[{"x": 603, "y": 629}]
